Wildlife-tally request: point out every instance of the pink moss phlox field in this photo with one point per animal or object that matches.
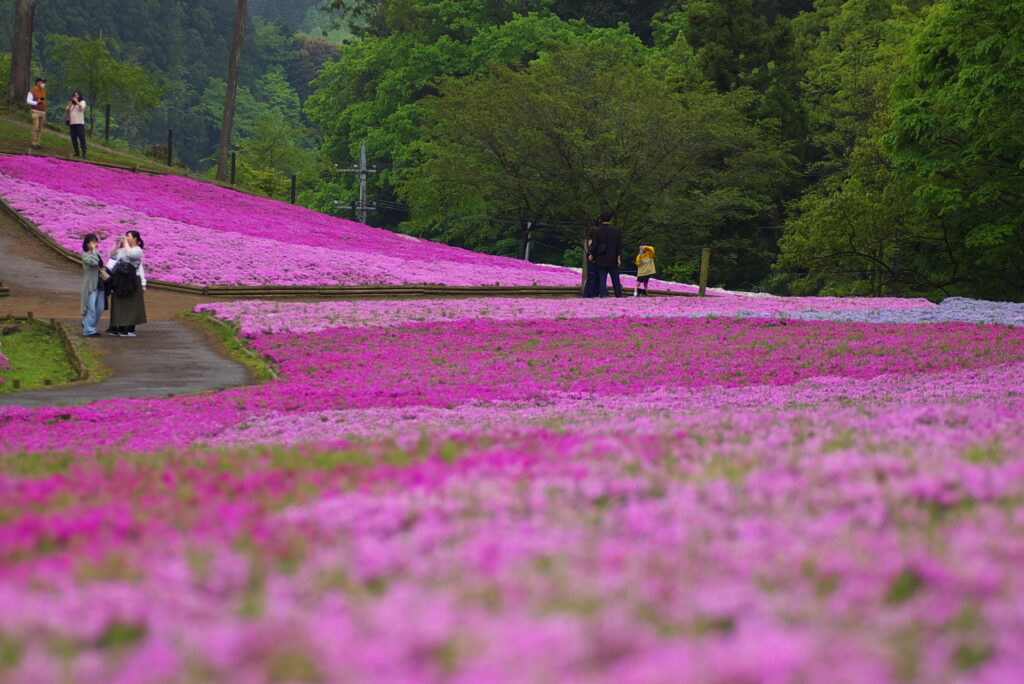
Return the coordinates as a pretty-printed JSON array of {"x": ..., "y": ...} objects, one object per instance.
[
  {"x": 256, "y": 316},
  {"x": 557, "y": 365},
  {"x": 533, "y": 491},
  {"x": 200, "y": 234},
  {"x": 803, "y": 551}
]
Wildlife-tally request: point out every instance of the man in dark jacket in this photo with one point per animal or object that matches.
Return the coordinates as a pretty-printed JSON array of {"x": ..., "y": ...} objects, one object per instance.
[{"x": 607, "y": 253}]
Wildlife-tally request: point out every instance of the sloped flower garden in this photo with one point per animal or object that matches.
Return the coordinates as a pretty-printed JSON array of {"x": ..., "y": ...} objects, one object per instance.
[{"x": 203, "y": 235}]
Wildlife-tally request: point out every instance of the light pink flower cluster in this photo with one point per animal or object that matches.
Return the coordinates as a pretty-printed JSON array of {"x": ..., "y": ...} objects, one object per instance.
[
  {"x": 200, "y": 234},
  {"x": 256, "y": 316}
]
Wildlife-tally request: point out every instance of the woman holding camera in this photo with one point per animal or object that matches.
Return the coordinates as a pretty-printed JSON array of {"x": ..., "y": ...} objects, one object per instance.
[
  {"x": 127, "y": 304},
  {"x": 75, "y": 120}
]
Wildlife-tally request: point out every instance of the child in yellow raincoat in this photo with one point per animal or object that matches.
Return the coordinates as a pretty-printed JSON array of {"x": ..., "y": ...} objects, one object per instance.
[{"x": 644, "y": 269}]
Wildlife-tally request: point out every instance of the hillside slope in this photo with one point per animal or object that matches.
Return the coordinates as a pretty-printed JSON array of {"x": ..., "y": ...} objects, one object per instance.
[{"x": 200, "y": 234}]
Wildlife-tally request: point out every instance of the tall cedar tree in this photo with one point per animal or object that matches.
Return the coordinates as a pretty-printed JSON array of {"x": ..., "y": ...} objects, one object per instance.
[
  {"x": 21, "y": 51},
  {"x": 229, "y": 97}
]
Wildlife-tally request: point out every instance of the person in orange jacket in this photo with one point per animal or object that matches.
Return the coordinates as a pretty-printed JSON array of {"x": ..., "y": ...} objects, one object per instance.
[{"x": 36, "y": 99}]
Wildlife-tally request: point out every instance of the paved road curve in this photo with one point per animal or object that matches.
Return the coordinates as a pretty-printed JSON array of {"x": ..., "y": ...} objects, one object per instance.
[{"x": 168, "y": 357}]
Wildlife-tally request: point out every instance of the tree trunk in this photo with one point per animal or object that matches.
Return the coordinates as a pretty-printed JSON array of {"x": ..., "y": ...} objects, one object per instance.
[
  {"x": 21, "y": 51},
  {"x": 229, "y": 97},
  {"x": 524, "y": 248},
  {"x": 91, "y": 103}
]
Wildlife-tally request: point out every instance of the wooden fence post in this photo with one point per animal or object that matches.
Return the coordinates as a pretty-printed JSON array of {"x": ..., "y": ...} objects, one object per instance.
[
  {"x": 586, "y": 267},
  {"x": 705, "y": 263}
]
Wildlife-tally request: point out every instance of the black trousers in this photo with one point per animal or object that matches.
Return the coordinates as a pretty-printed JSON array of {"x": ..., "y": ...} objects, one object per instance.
[
  {"x": 602, "y": 281},
  {"x": 78, "y": 137}
]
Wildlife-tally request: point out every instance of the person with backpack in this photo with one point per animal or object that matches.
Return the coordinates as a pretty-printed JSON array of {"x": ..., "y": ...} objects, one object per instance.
[{"x": 128, "y": 285}]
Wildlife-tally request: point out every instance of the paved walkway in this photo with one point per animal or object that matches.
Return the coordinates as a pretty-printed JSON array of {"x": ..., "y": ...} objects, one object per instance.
[{"x": 169, "y": 356}]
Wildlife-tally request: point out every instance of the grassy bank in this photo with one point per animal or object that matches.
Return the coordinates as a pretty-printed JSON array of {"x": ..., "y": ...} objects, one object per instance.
[
  {"x": 37, "y": 357},
  {"x": 15, "y": 138}
]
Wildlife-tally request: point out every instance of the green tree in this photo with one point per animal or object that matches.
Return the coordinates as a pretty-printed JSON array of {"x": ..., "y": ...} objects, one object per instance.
[
  {"x": 589, "y": 127},
  {"x": 741, "y": 45},
  {"x": 5, "y": 67},
  {"x": 374, "y": 89},
  {"x": 958, "y": 131},
  {"x": 854, "y": 231},
  {"x": 855, "y": 50},
  {"x": 92, "y": 66},
  {"x": 428, "y": 20},
  {"x": 272, "y": 141},
  {"x": 856, "y": 234},
  {"x": 610, "y": 13},
  {"x": 308, "y": 58}
]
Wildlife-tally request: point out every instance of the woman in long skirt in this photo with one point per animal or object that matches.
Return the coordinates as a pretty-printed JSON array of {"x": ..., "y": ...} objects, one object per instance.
[{"x": 127, "y": 301}]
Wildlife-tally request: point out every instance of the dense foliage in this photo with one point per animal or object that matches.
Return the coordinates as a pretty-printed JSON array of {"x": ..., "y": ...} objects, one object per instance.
[
  {"x": 860, "y": 147},
  {"x": 172, "y": 63}
]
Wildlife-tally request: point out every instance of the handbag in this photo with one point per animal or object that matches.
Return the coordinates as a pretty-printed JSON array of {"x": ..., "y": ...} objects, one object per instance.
[{"x": 104, "y": 274}]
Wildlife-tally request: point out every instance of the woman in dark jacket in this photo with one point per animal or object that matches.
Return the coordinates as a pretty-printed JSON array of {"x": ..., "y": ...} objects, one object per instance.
[{"x": 590, "y": 286}]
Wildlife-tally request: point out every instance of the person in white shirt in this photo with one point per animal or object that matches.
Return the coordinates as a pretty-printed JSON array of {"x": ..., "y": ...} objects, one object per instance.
[
  {"x": 75, "y": 119},
  {"x": 127, "y": 304}
]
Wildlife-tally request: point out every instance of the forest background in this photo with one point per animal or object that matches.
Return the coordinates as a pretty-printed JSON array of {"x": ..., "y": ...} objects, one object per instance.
[{"x": 835, "y": 147}]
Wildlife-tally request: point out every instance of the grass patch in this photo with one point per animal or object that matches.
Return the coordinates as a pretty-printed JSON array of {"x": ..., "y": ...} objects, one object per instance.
[
  {"x": 37, "y": 356},
  {"x": 16, "y": 136},
  {"x": 226, "y": 335}
]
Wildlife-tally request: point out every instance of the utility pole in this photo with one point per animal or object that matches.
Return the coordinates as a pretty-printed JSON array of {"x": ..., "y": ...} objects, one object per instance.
[{"x": 362, "y": 170}]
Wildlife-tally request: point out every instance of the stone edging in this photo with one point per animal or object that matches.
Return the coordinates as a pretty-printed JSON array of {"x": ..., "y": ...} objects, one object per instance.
[{"x": 72, "y": 351}]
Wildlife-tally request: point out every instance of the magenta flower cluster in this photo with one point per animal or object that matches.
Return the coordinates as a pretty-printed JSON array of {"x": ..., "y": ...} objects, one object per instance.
[
  {"x": 534, "y": 491},
  {"x": 200, "y": 234}
]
